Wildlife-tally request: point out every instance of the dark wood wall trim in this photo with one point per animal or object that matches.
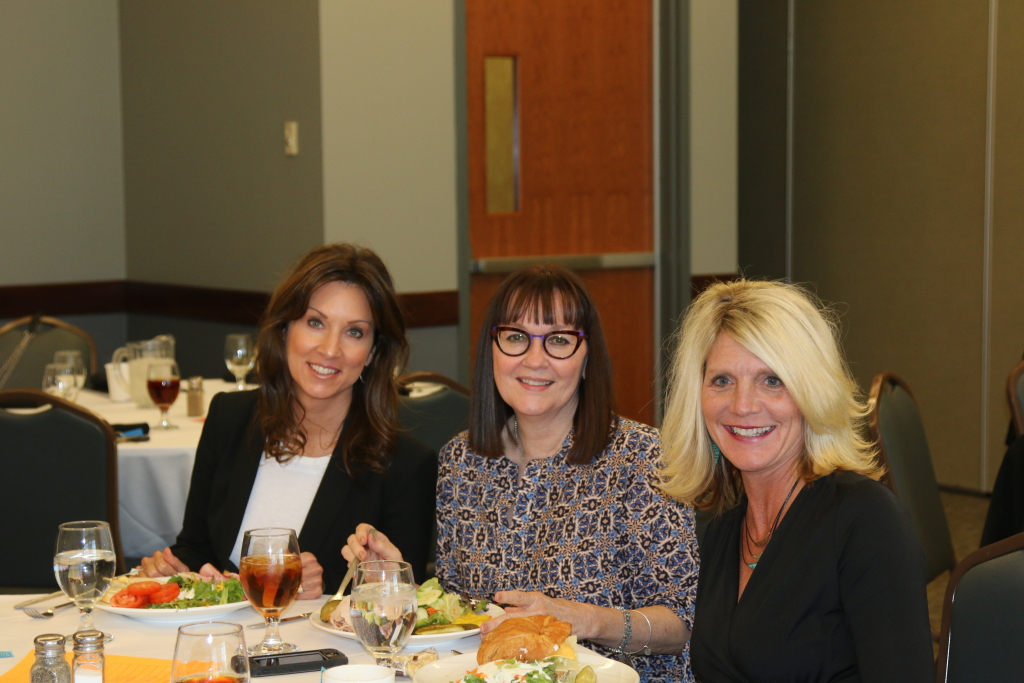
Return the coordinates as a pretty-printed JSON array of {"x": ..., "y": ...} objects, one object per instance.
[
  {"x": 422, "y": 309},
  {"x": 70, "y": 298}
]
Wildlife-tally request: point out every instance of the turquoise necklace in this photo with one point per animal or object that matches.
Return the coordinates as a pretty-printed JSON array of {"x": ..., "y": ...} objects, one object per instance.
[{"x": 747, "y": 540}]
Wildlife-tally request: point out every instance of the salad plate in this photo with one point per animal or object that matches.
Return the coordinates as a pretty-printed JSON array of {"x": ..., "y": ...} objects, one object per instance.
[
  {"x": 175, "y": 616},
  {"x": 194, "y": 588},
  {"x": 454, "y": 668},
  {"x": 414, "y": 640}
]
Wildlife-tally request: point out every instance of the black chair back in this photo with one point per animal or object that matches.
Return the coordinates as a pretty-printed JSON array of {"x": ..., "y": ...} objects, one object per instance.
[
  {"x": 982, "y": 624},
  {"x": 895, "y": 425},
  {"x": 59, "y": 464},
  {"x": 1015, "y": 396},
  {"x": 436, "y": 417}
]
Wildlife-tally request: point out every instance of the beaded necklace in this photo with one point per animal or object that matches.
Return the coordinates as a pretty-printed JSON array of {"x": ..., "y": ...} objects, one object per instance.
[{"x": 747, "y": 540}]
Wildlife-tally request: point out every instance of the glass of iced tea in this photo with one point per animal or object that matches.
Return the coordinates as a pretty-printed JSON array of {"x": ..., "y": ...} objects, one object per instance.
[
  {"x": 163, "y": 382},
  {"x": 271, "y": 574},
  {"x": 210, "y": 652}
]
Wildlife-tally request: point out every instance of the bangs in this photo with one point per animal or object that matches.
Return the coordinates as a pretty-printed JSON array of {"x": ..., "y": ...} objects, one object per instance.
[{"x": 539, "y": 300}]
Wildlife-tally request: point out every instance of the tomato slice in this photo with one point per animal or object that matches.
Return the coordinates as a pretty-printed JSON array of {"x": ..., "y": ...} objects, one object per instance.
[
  {"x": 143, "y": 588},
  {"x": 167, "y": 593},
  {"x": 125, "y": 599}
]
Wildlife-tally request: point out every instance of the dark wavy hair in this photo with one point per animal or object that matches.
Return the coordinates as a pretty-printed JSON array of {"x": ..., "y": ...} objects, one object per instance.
[
  {"x": 370, "y": 429},
  {"x": 539, "y": 292}
]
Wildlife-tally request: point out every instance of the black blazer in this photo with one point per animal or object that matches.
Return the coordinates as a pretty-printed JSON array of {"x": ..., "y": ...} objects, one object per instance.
[{"x": 399, "y": 502}]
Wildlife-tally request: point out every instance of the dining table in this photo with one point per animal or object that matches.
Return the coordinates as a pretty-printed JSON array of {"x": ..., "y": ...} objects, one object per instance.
[
  {"x": 153, "y": 476},
  {"x": 149, "y": 639}
]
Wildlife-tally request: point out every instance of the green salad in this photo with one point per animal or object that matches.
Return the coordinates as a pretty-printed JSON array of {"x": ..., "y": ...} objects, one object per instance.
[
  {"x": 198, "y": 593},
  {"x": 436, "y": 608}
]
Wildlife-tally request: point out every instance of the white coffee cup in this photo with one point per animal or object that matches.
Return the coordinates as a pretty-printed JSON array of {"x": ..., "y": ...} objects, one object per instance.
[
  {"x": 115, "y": 384},
  {"x": 358, "y": 673}
]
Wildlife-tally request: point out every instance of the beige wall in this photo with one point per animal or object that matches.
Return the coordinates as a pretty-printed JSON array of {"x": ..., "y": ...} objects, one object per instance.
[
  {"x": 211, "y": 198},
  {"x": 713, "y": 93},
  {"x": 387, "y": 72},
  {"x": 889, "y": 207},
  {"x": 61, "y": 191}
]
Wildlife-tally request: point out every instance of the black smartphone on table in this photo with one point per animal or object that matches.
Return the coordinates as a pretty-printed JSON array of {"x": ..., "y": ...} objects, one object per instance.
[{"x": 295, "y": 662}]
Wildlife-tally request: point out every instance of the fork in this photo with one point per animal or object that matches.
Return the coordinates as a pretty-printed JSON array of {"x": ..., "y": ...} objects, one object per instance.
[{"x": 36, "y": 614}]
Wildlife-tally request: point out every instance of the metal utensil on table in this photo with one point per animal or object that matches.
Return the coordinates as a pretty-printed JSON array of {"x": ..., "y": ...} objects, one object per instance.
[
  {"x": 39, "y": 598},
  {"x": 36, "y": 614},
  {"x": 282, "y": 621},
  {"x": 345, "y": 581}
]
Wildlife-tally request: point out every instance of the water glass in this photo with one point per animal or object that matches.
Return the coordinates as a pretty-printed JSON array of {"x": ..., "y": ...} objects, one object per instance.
[
  {"x": 84, "y": 563},
  {"x": 239, "y": 356},
  {"x": 59, "y": 379},
  {"x": 382, "y": 607},
  {"x": 210, "y": 652}
]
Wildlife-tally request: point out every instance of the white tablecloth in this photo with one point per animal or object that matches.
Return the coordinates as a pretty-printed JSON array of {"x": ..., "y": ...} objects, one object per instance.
[
  {"x": 147, "y": 639},
  {"x": 153, "y": 476}
]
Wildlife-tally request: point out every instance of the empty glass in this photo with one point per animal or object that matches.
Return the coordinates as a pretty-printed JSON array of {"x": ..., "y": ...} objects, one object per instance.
[
  {"x": 210, "y": 652},
  {"x": 239, "y": 356},
  {"x": 74, "y": 359},
  {"x": 59, "y": 379}
]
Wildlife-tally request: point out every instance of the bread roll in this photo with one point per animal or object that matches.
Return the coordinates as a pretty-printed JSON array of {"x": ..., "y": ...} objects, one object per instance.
[{"x": 524, "y": 638}]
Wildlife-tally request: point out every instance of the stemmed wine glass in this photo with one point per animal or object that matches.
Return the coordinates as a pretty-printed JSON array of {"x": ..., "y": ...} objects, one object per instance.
[
  {"x": 239, "y": 356},
  {"x": 383, "y": 607},
  {"x": 84, "y": 564},
  {"x": 271, "y": 574},
  {"x": 210, "y": 652},
  {"x": 163, "y": 382}
]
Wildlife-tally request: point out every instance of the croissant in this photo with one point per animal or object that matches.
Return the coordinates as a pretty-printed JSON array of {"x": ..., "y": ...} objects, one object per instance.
[{"x": 524, "y": 638}]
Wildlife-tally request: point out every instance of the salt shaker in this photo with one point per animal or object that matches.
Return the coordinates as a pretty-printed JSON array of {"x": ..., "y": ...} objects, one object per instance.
[
  {"x": 89, "y": 663},
  {"x": 50, "y": 665},
  {"x": 195, "y": 396}
]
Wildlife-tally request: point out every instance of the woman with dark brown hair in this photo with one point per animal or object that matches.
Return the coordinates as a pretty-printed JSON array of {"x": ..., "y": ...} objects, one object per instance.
[
  {"x": 551, "y": 503},
  {"x": 316, "y": 447}
]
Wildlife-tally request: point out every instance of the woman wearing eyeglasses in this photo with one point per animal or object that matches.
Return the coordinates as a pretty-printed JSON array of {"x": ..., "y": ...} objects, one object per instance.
[{"x": 550, "y": 503}]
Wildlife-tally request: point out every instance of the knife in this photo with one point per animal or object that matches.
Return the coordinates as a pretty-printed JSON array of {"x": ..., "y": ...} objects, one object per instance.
[
  {"x": 263, "y": 624},
  {"x": 39, "y": 598}
]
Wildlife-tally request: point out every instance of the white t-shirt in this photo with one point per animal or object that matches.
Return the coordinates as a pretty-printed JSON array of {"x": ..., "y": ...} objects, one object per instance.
[{"x": 281, "y": 495}]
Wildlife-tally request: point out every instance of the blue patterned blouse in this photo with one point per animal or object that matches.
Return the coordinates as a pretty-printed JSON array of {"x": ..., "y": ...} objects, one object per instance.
[{"x": 601, "y": 533}]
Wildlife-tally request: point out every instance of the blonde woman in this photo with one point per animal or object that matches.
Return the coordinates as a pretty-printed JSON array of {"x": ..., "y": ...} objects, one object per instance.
[{"x": 811, "y": 569}]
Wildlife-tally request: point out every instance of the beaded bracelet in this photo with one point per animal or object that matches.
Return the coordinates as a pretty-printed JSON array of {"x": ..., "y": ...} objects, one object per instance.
[{"x": 627, "y": 635}]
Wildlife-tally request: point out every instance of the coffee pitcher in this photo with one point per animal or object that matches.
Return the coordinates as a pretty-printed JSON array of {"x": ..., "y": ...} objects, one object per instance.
[{"x": 135, "y": 357}]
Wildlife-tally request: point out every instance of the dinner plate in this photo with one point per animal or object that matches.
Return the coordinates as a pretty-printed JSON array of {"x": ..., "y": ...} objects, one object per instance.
[
  {"x": 424, "y": 640},
  {"x": 453, "y": 668},
  {"x": 174, "y": 616}
]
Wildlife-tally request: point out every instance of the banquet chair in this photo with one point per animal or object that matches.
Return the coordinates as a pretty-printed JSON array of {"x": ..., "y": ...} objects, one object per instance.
[
  {"x": 52, "y": 335},
  {"x": 982, "y": 629},
  {"x": 1015, "y": 395},
  {"x": 438, "y": 414},
  {"x": 59, "y": 464},
  {"x": 434, "y": 417},
  {"x": 894, "y": 423}
]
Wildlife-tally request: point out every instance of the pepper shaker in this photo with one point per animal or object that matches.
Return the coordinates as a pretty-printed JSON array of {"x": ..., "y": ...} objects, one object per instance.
[
  {"x": 195, "y": 396},
  {"x": 50, "y": 665}
]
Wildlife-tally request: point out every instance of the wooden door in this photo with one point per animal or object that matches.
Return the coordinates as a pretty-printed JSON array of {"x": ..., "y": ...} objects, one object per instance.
[{"x": 583, "y": 181}]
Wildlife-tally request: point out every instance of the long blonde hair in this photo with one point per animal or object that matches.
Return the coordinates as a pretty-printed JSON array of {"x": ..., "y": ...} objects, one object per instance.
[{"x": 787, "y": 328}]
